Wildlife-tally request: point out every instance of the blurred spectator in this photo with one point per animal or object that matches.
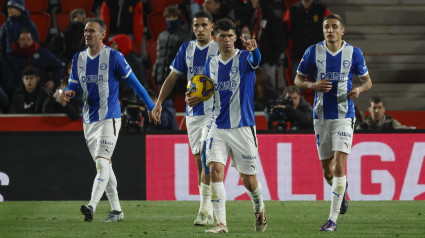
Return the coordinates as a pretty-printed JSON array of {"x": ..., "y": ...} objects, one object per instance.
[
  {"x": 290, "y": 107},
  {"x": 169, "y": 42},
  {"x": 168, "y": 115},
  {"x": 26, "y": 52},
  {"x": 266, "y": 31},
  {"x": 18, "y": 19},
  {"x": 195, "y": 6},
  {"x": 303, "y": 28},
  {"x": 65, "y": 44},
  {"x": 4, "y": 100},
  {"x": 123, "y": 44},
  {"x": 123, "y": 17},
  {"x": 30, "y": 97},
  {"x": 264, "y": 94},
  {"x": 57, "y": 103},
  {"x": 218, "y": 9},
  {"x": 378, "y": 119}
]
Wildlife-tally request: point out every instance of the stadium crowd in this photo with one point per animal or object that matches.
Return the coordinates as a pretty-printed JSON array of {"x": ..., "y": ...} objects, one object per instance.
[{"x": 148, "y": 33}]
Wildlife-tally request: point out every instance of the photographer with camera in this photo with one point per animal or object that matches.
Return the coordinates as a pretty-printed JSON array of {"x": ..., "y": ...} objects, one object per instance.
[{"x": 290, "y": 108}]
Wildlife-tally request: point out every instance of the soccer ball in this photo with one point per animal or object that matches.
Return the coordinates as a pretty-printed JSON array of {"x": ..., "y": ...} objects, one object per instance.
[{"x": 200, "y": 86}]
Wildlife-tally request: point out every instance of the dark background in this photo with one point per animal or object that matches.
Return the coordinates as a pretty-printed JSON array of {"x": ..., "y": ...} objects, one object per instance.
[{"x": 58, "y": 166}]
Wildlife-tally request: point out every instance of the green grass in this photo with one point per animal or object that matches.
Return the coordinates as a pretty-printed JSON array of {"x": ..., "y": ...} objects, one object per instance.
[{"x": 175, "y": 219}]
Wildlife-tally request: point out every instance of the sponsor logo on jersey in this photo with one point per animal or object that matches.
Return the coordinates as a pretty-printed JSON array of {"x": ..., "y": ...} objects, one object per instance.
[
  {"x": 226, "y": 85},
  {"x": 92, "y": 78},
  {"x": 333, "y": 76},
  {"x": 196, "y": 70}
]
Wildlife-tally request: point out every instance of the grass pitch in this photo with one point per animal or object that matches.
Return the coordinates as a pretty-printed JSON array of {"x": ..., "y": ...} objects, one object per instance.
[{"x": 175, "y": 219}]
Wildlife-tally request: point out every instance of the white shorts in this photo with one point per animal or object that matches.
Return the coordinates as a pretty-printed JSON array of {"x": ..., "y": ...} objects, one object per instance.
[
  {"x": 197, "y": 130},
  {"x": 333, "y": 135},
  {"x": 239, "y": 142},
  {"x": 101, "y": 137}
]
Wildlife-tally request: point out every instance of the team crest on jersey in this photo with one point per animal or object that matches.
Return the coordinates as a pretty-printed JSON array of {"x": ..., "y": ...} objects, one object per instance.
[
  {"x": 103, "y": 66},
  {"x": 346, "y": 63},
  {"x": 234, "y": 70}
]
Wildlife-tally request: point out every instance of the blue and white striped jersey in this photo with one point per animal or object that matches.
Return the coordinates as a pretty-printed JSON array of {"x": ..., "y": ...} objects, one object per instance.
[
  {"x": 98, "y": 77},
  {"x": 191, "y": 58},
  {"x": 234, "y": 87},
  {"x": 339, "y": 67}
]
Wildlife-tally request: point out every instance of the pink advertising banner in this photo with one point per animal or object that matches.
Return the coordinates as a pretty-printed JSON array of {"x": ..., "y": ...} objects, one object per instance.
[{"x": 380, "y": 167}]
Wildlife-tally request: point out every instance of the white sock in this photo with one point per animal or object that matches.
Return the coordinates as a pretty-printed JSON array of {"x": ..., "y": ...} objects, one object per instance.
[
  {"x": 257, "y": 198},
  {"x": 218, "y": 200},
  {"x": 111, "y": 191},
  {"x": 100, "y": 182},
  {"x": 338, "y": 189},
  {"x": 205, "y": 192}
]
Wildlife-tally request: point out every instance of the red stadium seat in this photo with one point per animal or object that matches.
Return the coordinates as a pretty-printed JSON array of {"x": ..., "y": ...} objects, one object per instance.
[
  {"x": 156, "y": 24},
  {"x": 37, "y": 6},
  {"x": 62, "y": 20},
  {"x": 42, "y": 21},
  {"x": 2, "y": 19},
  {"x": 160, "y": 5},
  {"x": 69, "y": 5}
]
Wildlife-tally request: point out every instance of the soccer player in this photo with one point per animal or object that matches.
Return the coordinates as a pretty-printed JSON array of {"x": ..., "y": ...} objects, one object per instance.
[
  {"x": 96, "y": 71},
  {"x": 333, "y": 63},
  {"x": 233, "y": 129},
  {"x": 190, "y": 59}
]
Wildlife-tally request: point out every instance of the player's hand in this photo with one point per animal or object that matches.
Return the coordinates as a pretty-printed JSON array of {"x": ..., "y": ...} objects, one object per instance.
[
  {"x": 68, "y": 95},
  {"x": 192, "y": 101},
  {"x": 354, "y": 93},
  {"x": 250, "y": 45},
  {"x": 323, "y": 85},
  {"x": 155, "y": 114}
]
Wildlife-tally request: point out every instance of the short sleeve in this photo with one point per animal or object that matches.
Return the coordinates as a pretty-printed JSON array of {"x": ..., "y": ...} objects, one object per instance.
[
  {"x": 306, "y": 66},
  {"x": 360, "y": 67},
  {"x": 179, "y": 64},
  {"x": 121, "y": 66},
  {"x": 73, "y": 77}
]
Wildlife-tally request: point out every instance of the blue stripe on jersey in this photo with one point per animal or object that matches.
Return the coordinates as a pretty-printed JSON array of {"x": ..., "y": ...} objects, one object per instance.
[
  {"x": 223, "y": 80},
  {"x": 247, "y": 99}
]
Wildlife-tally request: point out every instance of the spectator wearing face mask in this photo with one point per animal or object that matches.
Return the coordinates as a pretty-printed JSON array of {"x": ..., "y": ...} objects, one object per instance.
[{"x": 168, "y": 45}]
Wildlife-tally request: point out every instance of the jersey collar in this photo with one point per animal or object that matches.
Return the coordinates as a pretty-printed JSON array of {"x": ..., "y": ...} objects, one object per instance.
[
  {"x": 229, "y": 59},
  {"x": 337, "y": 52},
  {"x": 205, "y": 46}
]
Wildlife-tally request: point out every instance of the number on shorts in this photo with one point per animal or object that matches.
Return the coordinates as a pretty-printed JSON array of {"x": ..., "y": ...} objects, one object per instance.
[{"x": 211, "y": 140}]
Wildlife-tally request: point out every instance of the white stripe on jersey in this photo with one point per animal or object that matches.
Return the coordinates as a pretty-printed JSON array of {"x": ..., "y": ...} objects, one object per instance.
[
  {"x": 342, "y": 98},
  {"x": 81, "y": 66},
  {"x": 214, "y": 77},
  {"x": 321, "y": 68},
  {"x": 103, "y": 87},
  {"x": 235, "y": 105}
]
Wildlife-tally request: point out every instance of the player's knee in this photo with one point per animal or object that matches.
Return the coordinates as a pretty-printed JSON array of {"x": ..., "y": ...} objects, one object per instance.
[{"x": 102, "y": 163}]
